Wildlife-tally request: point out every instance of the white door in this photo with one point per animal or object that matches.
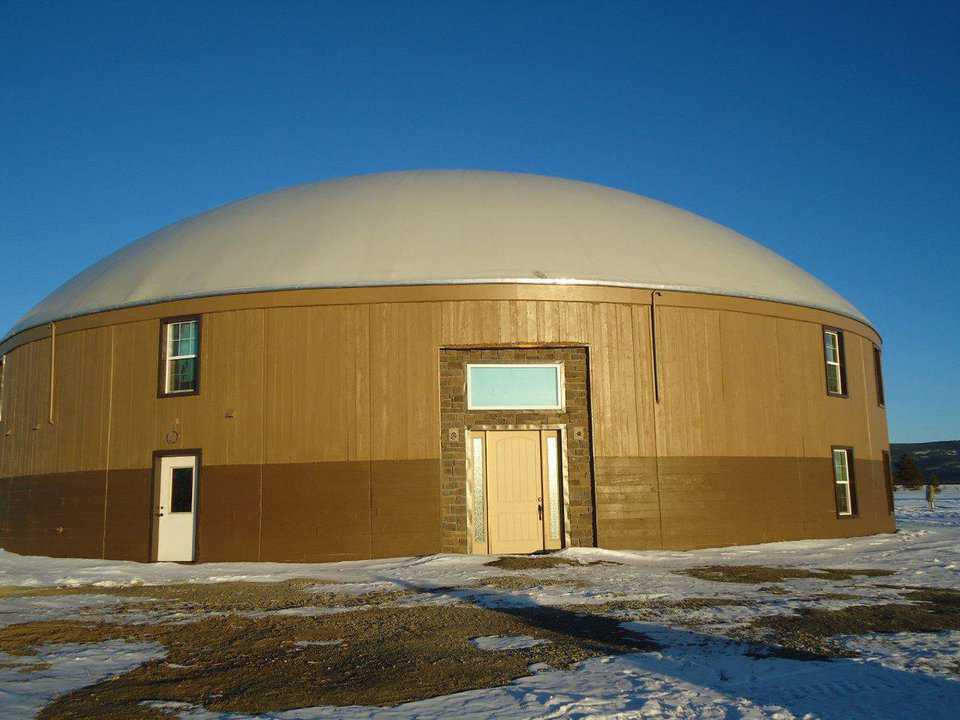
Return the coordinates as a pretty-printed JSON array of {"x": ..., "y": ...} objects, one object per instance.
[{"x": 178, "y": 502}]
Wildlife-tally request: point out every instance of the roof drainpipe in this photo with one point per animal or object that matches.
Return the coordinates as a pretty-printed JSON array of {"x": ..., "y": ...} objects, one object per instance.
[
  {"x": 653, "y": 344},
  {"x": 53, "y": 359}
]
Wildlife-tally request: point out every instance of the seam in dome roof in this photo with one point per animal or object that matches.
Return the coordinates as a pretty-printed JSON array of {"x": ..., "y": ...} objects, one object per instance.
[{"x": 431, "y": 228}]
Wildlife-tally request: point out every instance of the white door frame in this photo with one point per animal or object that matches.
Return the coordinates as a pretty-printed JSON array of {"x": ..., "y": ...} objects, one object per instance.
[{"x": 174, "y": 533}]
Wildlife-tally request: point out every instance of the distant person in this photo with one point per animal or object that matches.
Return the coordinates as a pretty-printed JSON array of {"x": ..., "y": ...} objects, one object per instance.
[{"x": 933, "y": 489}]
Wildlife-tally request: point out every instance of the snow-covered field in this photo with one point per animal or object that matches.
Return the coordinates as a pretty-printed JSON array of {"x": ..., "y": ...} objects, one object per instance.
[{"x": 698, "y": 673}]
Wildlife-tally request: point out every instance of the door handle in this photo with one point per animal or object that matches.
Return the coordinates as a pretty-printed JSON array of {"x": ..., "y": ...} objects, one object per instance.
[{"x": 540, "y": 507}]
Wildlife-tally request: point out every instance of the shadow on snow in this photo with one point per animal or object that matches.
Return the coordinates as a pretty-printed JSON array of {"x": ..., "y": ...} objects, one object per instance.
[{"x": 652, "y": 659}]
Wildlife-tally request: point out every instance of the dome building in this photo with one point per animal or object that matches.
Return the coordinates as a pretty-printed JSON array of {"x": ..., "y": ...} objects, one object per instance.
[{"x": 421, "y": 362}]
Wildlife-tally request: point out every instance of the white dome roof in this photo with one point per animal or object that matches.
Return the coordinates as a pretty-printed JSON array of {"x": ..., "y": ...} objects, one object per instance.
[{"x": 436, "y": 227}]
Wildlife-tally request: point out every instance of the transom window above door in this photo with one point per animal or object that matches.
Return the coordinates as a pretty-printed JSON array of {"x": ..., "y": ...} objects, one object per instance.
[{"x": 515, "y": 386}]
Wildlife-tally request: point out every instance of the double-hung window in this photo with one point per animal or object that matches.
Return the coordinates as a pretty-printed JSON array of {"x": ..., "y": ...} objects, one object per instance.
[
  {"x": 843, "y": 482},
  {"x": 3, "y": 365},
  {"x": 835, "y": 361},
  {"x": 888, "y": 480},
  {"x": 878, "y": 370},
  {"x": 180, "y": 356}
]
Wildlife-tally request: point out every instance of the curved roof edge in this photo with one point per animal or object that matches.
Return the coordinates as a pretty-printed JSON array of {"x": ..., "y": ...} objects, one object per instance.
[
  {"x": 432, "y": 228},
  {"x": 14, "y": 332}
]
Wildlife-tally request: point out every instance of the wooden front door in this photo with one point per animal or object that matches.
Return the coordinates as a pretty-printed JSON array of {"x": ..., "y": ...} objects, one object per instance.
[{"x": 514, "y": 491}]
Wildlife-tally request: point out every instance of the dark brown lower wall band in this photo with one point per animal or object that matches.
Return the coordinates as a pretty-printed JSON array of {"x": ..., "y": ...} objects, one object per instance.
[
  {"x": 59, "y": 515},
  {"x": 718, "y": 501},
  {"x": 321, "y": 512}
]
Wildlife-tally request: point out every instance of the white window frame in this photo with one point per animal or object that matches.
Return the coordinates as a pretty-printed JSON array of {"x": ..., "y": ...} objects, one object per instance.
[
  {"x": 558, "y": 366},
  {"x": 838, "y": 363},
  {"x": 845, "y": 452},
  {"x": 168, "y": 358}
]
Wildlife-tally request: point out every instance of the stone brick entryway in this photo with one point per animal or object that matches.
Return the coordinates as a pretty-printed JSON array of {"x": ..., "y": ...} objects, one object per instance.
[{"x": 455, "y": 420}]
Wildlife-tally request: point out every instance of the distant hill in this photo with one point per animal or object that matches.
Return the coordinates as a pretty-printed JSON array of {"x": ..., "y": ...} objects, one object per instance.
[{"x": 942, "y": 458}]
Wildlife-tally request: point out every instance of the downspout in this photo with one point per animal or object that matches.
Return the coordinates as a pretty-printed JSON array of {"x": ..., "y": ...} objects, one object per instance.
[
  {"x": 653, "y": 341},
  {"x": 656, "y": 395},
  {"x": 53, "y": 359}
]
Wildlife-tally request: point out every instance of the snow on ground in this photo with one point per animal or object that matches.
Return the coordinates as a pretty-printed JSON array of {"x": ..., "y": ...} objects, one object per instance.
[
  {"x": 497, "y": 643},
  {"x": 22, "y": 694},
  {"x": 698, "y": 673},
  {"x": 912, "y": 507},
  {"x": 694, "y": 677}
]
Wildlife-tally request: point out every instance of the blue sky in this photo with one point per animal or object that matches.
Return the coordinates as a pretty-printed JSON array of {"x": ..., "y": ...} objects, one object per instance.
[{"x": 828, "y": 131}]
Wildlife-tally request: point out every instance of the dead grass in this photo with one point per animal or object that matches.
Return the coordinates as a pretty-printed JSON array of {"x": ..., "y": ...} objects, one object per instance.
[
  {"x": 652, "y": 608},
  {"x": 236, "y": 596},
  {"x": 529, "y": 562},
  {"x": 810, "y": 630},
  {"x": 386, "y": 656},
  {"x": 527, "y": 582},
  {"x": 758, "y": 574}
]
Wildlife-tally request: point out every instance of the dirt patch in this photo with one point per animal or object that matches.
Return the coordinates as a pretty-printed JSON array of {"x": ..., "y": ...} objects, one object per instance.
[
  {"x": 939, "y": 596},
  {"x": 863, "y": 619},
  {"x": 758, "y": 574},
  {"x": 527, "y": 582},
  {"x": 810, "y": 630},
  {"x": 225, "y": 596},
  {"x": 620, "y": 606},
  {"x": 530, "y": 562},
  {"x": 386, "y": 656}
]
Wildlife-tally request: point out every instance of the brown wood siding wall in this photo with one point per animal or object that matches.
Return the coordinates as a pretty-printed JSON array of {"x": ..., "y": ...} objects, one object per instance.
[{"x": 320, "y": 424}]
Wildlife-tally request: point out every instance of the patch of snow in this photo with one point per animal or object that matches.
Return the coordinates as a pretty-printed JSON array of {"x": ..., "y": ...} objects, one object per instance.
[
  {"x": 929, "y": 653},
  {"x": 539, "y": 667},
  {"x": 308, "y": 643},
  {"x": 16, "y": 610},
  {"x": 496, "y": 643},
  {"x": 22, "y": 694}
]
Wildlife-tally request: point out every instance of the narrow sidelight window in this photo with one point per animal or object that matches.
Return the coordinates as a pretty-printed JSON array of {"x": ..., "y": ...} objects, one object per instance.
[
  {"x": 180, "y": 357},
  {"x": 835, "y": 362},
  {"x": 879, "y": 372},
  {"x": 888, "y": 480},
  {"x": 843, "y": 482}
]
